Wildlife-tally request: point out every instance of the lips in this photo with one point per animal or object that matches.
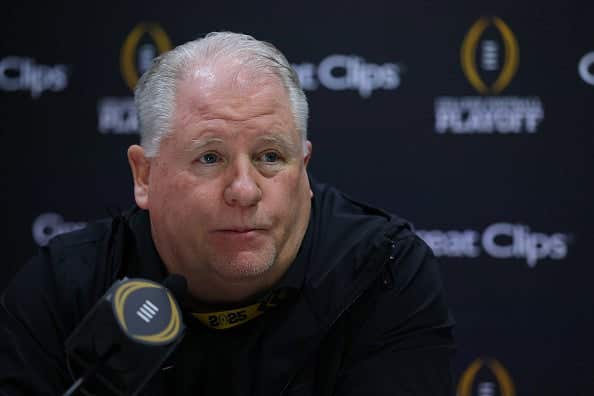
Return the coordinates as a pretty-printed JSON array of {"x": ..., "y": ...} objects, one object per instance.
[
  {"x": 240, "y": 230},
  {"x": 239, "y": 235}
]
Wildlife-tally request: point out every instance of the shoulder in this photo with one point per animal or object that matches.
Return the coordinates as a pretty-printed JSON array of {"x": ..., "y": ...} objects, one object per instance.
[
  {"x": 45, "y": 301},
  {"x": 401, "y": 322},
  {"x": 349, "y": 234},
  {"x": 375, "y": 278},
  {"x": 64, "y": 276},
  {"x": 91, "y": 235},
  {"x": 80, "y": 258},
  {"x": 338, "y": 202},
  {"x": 353, "y": 244},
  {"x": 405, "y": 306}
]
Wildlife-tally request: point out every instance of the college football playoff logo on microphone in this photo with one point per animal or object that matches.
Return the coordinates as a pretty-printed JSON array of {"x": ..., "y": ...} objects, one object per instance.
[
  {"x": 147, "y": 312},
  {"x": 125, "y": 337}
]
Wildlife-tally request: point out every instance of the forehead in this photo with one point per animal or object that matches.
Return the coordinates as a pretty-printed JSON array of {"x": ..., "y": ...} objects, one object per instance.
[
  {"x": 230, "y": 91},
  {"x": 228, "y": 102}
]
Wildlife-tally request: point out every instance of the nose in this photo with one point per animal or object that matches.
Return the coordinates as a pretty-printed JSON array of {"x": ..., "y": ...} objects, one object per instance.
[{"x": 243, "y": 189}]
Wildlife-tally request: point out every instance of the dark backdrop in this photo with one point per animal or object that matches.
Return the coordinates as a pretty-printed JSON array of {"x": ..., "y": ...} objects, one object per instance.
[{"x": 472, "y": 119}]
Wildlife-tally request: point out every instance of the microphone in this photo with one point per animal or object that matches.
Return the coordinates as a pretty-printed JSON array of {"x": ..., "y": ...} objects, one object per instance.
[{"x": 126, "y": 336}]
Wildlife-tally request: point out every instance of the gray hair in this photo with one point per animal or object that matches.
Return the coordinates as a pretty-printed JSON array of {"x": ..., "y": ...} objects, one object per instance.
[{"x": 154, "y": 95}]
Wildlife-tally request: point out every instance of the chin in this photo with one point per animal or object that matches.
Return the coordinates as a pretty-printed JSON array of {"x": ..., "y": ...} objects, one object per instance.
[{"x": 244, "y": 265}]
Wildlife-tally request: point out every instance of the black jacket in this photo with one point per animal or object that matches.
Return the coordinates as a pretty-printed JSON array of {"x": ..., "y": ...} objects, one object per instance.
[{"x": 369, "y": 317}]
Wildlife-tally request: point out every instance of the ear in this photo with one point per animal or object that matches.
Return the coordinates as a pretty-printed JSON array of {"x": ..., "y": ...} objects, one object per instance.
[
  {"x": 141, "y": 167},
  {"x": 306, "y": 158},
  {"x": 308, "y": 148}
]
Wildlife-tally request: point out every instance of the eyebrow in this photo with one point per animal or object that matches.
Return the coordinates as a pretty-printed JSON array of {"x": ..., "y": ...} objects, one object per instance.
[
  {"x": 197, "y": 143},
  {"x": 278, "y": 140}
]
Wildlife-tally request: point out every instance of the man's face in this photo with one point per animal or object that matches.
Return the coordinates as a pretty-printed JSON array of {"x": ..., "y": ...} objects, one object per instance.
[{"x": 228, "y": 193}]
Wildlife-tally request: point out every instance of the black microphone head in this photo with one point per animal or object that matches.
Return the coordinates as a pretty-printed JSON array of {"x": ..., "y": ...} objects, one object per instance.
[{"x": 127, "y": 335}]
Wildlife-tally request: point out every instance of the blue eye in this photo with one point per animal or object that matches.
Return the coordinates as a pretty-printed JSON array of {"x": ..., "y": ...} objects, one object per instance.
[
  {"x": 270, "y": 156},
  {"x": 209, "y": 158}
]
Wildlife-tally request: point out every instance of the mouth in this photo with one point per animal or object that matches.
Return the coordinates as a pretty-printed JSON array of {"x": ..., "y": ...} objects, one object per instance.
[
  {"x": 239, "y": 230},
  {"x": 239, "y": 236}
]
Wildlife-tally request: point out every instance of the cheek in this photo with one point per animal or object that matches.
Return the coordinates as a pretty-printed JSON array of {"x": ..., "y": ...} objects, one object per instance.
[
  {"x": 289, "y": 191},
  {"x": 170, "y": 191},
  {"x": 195, "y": 197},
  {"x": 159, "y": 187}
]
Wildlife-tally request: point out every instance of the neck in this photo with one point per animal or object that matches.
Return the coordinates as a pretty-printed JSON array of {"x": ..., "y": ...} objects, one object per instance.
[{"x": 215, "y": 290}]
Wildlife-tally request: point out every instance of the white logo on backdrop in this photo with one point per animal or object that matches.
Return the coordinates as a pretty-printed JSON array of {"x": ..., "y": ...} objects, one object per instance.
[
  {"x": 487, "y": 115},
  {"x": 586, "y": 68},
  {"x": 48, "y": 225},
  {"x": 117, "y": 115},
  {"x": 489, "y": 62},
  {"x": 500, "y": 241},
  {"x": 348, "y": 72},
  {"x": 24, "y": 74}
]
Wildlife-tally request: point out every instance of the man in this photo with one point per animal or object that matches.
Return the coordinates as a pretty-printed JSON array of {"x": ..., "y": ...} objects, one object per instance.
[{"x": 353, "y": 300}]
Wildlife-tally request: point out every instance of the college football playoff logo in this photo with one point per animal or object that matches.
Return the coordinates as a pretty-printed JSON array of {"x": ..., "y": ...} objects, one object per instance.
[
  {"x": 481, "y": 51},
  {"x": 145, "y": 42},
  {"x": 487, "y": 376}
]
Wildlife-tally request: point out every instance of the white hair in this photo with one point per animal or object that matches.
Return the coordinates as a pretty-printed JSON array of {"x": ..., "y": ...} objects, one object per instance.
[{"x": 154, "y": 95}]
